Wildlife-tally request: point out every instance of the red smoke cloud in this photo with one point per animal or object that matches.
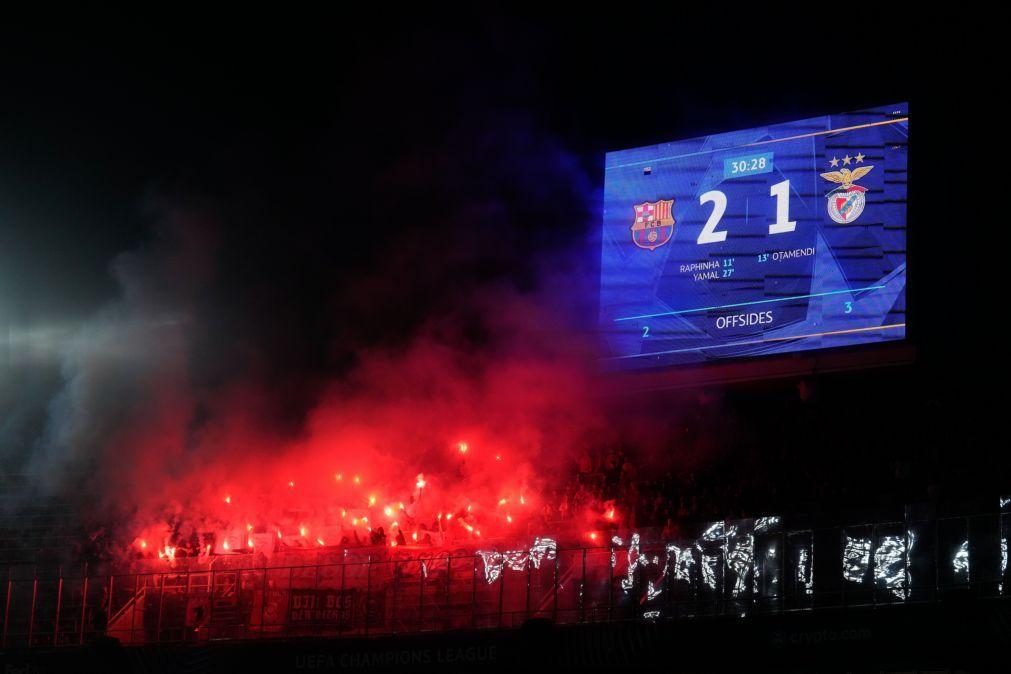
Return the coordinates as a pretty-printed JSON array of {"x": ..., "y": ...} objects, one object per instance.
[
  {"x": 178, "y": 409},
  {"x": 474, "y": 434}
]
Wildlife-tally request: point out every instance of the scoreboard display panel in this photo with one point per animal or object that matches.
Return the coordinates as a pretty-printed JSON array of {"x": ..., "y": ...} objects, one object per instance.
[{"x": 776, "y": 239}]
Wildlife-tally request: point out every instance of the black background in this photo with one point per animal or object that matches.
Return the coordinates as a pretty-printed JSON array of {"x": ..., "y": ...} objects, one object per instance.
[{"x": 430, "y": 152}]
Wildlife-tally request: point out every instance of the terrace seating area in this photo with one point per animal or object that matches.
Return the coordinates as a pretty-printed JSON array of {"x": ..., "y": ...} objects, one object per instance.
[{"x": 36, "y": 529}]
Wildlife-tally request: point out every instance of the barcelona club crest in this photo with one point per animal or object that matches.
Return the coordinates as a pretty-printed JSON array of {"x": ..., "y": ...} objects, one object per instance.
[
  {"x": 846, "y": 202},
  {"x": 654, "y": 224}
]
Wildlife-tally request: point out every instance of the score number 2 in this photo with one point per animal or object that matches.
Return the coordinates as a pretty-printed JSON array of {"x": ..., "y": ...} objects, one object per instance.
[{"x": 782, "y": 225}]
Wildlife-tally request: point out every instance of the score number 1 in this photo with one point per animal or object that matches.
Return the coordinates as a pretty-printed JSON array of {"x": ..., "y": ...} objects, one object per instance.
[{"x": 782, "y": 225}]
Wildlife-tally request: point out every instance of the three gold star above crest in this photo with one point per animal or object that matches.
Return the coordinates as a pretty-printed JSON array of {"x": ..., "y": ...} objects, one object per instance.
[{"x": 859, "y": 158}]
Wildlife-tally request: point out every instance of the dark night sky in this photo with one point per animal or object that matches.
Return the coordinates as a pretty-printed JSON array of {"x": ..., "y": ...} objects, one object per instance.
[
  {"x": 304, "y": 121},
  {"x": 431, "y": 152}
]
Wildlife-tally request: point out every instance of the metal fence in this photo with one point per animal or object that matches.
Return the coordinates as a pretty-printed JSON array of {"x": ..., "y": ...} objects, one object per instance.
[{"x": 729, "y": 568}]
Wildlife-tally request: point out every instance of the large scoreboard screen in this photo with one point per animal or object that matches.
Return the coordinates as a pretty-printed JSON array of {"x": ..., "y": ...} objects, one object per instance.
[{"x": 770, "y": 240}]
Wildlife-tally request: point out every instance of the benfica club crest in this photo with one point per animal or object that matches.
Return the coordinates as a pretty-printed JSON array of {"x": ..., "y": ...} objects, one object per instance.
[
  {"x": 654, "y": 224},
  {"x": 846, "y": 202}
]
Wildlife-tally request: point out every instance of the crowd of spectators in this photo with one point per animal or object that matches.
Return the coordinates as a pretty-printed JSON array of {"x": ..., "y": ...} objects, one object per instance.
[
  {"x": 802, "y": 453},
  {"x": 799, "y": 453}
]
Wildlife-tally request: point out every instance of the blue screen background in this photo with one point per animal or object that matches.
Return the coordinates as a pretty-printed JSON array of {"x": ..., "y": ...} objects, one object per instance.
[{"x": 845, "y": 286}]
